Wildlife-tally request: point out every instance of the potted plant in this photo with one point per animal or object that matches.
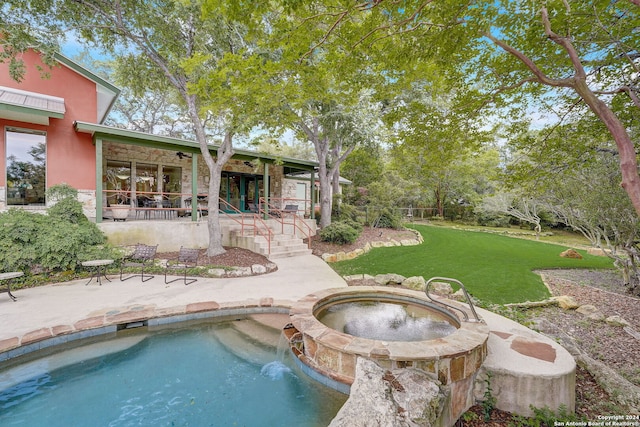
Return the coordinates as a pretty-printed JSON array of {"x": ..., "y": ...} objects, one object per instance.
[{"x": 118, "y": 195}]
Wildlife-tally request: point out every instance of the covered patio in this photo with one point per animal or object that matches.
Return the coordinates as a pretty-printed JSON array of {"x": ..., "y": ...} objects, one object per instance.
[{"x": 140, "y": 176}]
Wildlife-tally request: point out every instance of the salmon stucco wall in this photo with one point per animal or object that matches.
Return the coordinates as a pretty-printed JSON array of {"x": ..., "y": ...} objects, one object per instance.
[{"x": 70, "y": 155}]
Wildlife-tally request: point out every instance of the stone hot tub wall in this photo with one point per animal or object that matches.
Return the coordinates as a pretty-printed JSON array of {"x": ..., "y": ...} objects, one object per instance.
[{"x": 452, "y": 360}]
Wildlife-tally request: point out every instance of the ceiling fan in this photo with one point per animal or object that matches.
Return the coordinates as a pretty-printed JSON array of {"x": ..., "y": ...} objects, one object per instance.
[{"x": 182, "y": 155}]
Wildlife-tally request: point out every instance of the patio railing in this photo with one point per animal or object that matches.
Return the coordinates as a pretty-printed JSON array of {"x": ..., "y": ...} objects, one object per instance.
[
  {"x": 276, "y": 209},
  {"x": 156, "y": 205},
  {"x": 146, "y": 204},
  {"x": 247, "y": 220}
]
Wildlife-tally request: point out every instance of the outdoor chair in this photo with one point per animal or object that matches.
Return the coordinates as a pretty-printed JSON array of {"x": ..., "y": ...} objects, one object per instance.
[
  {"x": 292, "y": 209},
  {"x": 187, "y": 258},
  {"x": 142, "y": 257}
]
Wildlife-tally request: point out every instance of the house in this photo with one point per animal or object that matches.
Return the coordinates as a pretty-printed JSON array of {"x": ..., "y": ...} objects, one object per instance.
[
  {"x": 38, "y": 144},
  {"x": 53, "y": 132},
  {"x": 301, "y": 188}
]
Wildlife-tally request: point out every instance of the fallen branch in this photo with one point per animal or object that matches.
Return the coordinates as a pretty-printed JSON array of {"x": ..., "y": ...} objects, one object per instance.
[{"x": 533, "y": 304}]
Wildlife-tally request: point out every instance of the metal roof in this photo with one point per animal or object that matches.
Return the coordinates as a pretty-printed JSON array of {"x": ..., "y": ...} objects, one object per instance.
[{"x": 32, "y": 107}]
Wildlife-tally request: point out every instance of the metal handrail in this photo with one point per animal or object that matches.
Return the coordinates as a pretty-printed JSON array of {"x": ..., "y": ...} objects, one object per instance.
[
  {"x": 466, "y": 295},
  {"x": 239, "y": 218},
  {"x": 281, "y": 219}
]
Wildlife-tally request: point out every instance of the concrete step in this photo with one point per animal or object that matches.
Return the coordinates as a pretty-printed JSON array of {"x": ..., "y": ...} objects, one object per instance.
[
  {"x": 259, "y": 333},
  {"x": 279, "y": 252},
  {"x": 292, "y": 246},
  {"x": 275, "y": 321},
  {"x": 280, "y": 243},
  {"x": 278, "y": 255},
  {"x": 247, "y": 349},
  {"x": 256, "y": 338}
]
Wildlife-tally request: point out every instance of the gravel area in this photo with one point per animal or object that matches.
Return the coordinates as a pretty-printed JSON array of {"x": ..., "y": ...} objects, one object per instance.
[{"x": 613, "y": 345}]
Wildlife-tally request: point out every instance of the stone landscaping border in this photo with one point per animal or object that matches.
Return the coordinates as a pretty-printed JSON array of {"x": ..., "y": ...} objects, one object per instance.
[{"x": 230, "y": 272}]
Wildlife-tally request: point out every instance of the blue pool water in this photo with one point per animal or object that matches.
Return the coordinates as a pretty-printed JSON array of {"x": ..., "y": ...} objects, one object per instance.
[{"x": 186, "y": 377}]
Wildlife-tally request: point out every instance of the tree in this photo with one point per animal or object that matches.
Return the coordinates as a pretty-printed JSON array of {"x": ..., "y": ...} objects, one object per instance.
[
  {"x": 519, "y": 54},
  {"x": 151, "y": 112},
  {"x": 325, "y": 94},
  {"x": 18, "y": 35},
  {"x": 590, "y": 200},
  {"x": 170, "y": 43},
  {"x": 364, "y": 166},
  {"x": 294, "y": 149},
  {"x": 155, "y": 112},
  {"x": 590, "y": 49},
  {"x": 434, "y": 141},
  {"x": 577, "y": 180},
  {"x": 524, "y": 208}
]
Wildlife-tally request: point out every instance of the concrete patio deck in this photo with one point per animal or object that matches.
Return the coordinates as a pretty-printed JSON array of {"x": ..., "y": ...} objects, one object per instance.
[{"x": 61, "y": 308}]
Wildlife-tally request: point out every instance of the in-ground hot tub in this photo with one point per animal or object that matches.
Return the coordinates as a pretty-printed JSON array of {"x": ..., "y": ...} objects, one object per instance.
[{"x": 453, "y": 355}]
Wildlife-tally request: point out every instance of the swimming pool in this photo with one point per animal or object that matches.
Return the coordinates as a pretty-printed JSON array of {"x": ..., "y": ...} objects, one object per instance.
[{"x": 201, "y": 374}]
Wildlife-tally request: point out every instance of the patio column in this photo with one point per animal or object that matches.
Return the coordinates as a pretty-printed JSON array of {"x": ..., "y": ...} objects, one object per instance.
[
  {"x": 98, "y": 144},
  {"x": 312, "y": 193},
  {"x": 194, "y": 187},
  {"x": 266, "y": 190}
]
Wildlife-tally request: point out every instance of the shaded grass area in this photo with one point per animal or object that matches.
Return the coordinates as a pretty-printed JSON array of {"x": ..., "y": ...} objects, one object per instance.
[{"x": 495, "y": 269}]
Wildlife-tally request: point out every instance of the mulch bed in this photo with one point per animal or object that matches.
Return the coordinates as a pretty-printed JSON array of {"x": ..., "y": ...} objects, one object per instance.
[
  {"x": 601, "y": 341},
  {"x": 233, "y": 257},
  {"x": 368, "y": 235}
]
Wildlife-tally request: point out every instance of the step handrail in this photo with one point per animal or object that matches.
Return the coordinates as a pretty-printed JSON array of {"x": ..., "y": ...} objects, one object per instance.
[
  {"x": 255, "y": 218},
  {"x": 280, "y": 218},
  {"x": 466, "y": 295}
]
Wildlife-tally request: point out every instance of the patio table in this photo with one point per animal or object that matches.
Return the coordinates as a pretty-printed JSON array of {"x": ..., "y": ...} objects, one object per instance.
[{"x": 98, "y": 267}]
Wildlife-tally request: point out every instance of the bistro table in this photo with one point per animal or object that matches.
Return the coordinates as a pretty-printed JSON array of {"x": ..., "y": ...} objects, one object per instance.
[
  {"x": 8, "y": 277},
  {"x": 98, "y": 267}
]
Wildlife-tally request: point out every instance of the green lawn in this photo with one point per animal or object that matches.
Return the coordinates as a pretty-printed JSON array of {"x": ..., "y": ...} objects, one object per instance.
[{"x": 495, "y": 269}]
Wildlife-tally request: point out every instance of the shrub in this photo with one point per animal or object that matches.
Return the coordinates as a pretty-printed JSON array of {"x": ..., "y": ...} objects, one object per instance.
[
  {"x": 493, "y": 220},
  {"x": 349, "y": 214},
  {"x": 58, "y": 241},
  {"x": 388, "y": 219},
  {"x": 66, "y": 207},
  {"x": 339, "y": 232}
]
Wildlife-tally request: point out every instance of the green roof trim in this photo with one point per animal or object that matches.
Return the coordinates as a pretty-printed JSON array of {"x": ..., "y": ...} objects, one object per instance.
[
  {"x": 131, "y": 137},
  {"x": 85, "y": 72},
  {"x": 31, "y": 110}
]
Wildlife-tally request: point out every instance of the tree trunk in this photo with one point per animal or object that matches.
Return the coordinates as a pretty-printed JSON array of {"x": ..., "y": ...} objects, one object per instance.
[
  {"x": 325, "y": 192},
  {"x": 437, "y": 194},
  {"x": 325, "y": 155},
  {"x": 321, "y": 145},
  {"x": 335, "y": 184},
  {"x": 225, "y": 152},
  {"x": 213, "y": 218},
  {"x": 626, "y": 149}
]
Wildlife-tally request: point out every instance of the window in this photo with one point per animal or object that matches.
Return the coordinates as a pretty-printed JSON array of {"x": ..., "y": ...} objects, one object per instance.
[
  {"x": 118, "y": 182},
  {"x": 146, "y": 179},
  {"x": 172, "y": 179},
  {"x": 26, "y": 168},
  {"x": 172, "y": 183}
]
